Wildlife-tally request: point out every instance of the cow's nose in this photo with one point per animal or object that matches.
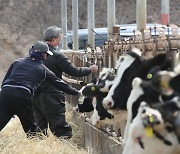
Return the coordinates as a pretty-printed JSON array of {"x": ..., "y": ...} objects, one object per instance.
[{"x": 107, "y": 104}]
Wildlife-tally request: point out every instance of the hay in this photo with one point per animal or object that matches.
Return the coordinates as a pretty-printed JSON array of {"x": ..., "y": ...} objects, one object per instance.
[{"x": 13, "y": 140}]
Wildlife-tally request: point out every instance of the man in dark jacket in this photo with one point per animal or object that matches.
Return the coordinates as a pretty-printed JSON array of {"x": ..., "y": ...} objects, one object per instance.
[
  {"x": 49, "y": 102},
  {"x": 21, "y": 80}
]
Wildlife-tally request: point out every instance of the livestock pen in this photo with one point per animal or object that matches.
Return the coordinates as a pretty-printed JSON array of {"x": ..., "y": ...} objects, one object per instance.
[{"x": 151, "y": 42}]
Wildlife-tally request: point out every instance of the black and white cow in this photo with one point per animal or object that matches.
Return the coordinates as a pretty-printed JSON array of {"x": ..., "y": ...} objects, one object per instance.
[
  {"x": 149, "y": 132},
  {"x": 155, "y": 90},
  {"x": 94, "y": 94},
  {"x": 169, "y": 110},
  {"x": 130, "y": 66}
]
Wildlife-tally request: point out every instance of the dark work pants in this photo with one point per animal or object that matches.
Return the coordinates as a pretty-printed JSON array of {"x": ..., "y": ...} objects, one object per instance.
[
  {"x": 17, "y": 101},
  {"x": 49, "y": 108}
]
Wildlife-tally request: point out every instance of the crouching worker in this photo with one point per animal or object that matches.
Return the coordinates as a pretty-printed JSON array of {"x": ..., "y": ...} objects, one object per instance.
[{"x": 19, "y": 84}]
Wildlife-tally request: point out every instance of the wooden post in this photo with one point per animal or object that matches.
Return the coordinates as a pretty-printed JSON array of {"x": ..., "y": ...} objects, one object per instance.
[
  {"x": 75, "y": 24},
  {"x": 110, "y": 17},
  {"x": 64, "y": 23},
  {"x": 91, "y": 37},
  {"x": 164, "y": 12},
  {"x": 141, "y": 14}
]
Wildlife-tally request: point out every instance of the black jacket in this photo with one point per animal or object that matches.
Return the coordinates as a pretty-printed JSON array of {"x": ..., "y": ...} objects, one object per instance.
[
  {"x": 30, "y": 73},
  {"x": 59, "y": 63}
]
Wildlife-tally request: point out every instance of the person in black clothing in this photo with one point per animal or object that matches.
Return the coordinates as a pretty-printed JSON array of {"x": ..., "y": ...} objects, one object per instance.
[
  {"x": 49, "y": 102},
  {"x": 21, "y": 80}
]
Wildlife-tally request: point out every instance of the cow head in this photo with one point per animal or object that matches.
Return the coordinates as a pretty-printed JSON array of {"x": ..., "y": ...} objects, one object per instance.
[
  {"x": 170, "y": 111},
  {"x": 161, "y": 82},
  {"x": 129, "y": 66},
  {"x": 153, "y": 90},
  {"x": 106, "y": 78},
  {"x": 99, "y": 91},
  {"x": 151, "y": 118},
  {"x": 104, "y": 83}
]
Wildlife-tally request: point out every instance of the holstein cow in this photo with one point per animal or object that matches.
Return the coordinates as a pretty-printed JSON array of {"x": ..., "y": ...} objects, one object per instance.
[
  {"x": 148, "y": 133},
  {"x": 93, "y": 95},
  {"x": 169, "y": 110},
  {"x": 155, "y": 90},
  {"x": 130, "y": 66}
]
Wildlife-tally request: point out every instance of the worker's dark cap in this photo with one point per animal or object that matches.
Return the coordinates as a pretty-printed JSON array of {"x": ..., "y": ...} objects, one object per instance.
[{"x": 41, "y": 46}]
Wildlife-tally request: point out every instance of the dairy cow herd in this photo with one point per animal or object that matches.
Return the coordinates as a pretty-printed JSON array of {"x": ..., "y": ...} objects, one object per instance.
[{"x": 145, "y": 93}]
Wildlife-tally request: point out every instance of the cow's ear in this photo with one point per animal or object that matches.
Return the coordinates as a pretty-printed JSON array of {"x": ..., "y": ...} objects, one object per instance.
[
  {"x": 175, "y": 83},
  {"x": 158, "y": 60},
  {"x": 90, "y": 90}
]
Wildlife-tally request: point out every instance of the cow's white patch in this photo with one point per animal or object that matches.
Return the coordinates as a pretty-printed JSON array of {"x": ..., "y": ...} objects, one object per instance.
[
  {"x": 105, "y": 72},
  {"x": 134, "y": 95},
  {"x": 103, "y": 76},
  {"x": 95, "y": 117},
  {"x": 124, "y": 63},
  {"x": 107, "y": 85}
]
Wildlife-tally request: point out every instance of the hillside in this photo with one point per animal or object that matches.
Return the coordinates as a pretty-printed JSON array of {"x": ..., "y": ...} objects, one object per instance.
[{"x": 23, "y": 21}]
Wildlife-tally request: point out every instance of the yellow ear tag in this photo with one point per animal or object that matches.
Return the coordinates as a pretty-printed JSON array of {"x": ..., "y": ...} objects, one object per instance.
[
  {"x": 151, "y": 119},
  {"x": 93, "y": 89},
  {"x": 149, "y": 131},
  {"x": 149, "y": 76}
]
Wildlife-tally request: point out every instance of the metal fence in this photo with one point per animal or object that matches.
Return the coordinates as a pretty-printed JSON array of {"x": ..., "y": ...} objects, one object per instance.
[
  {"x": 107, "y": 55},
  {"x": 84, "y": 59}
]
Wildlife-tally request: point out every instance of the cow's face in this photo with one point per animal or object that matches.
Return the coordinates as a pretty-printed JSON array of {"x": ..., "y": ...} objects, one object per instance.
[
  {"x": 129, "y": 66},
  {"x": 106, "y": 78},
  {"x": 161, "y": 82},
  {"x": 99, "y": 91},
  {"x": 151, "y": 118},
  {"x": 122, "y": 83},
  {"x": 170, "y": 111},
  {"x": 140, "y": 87},
  {"x": 103, "y": 84}
]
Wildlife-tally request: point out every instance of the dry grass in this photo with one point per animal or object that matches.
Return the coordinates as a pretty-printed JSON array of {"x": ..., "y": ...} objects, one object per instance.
[{"x": 14, "y": 141}]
